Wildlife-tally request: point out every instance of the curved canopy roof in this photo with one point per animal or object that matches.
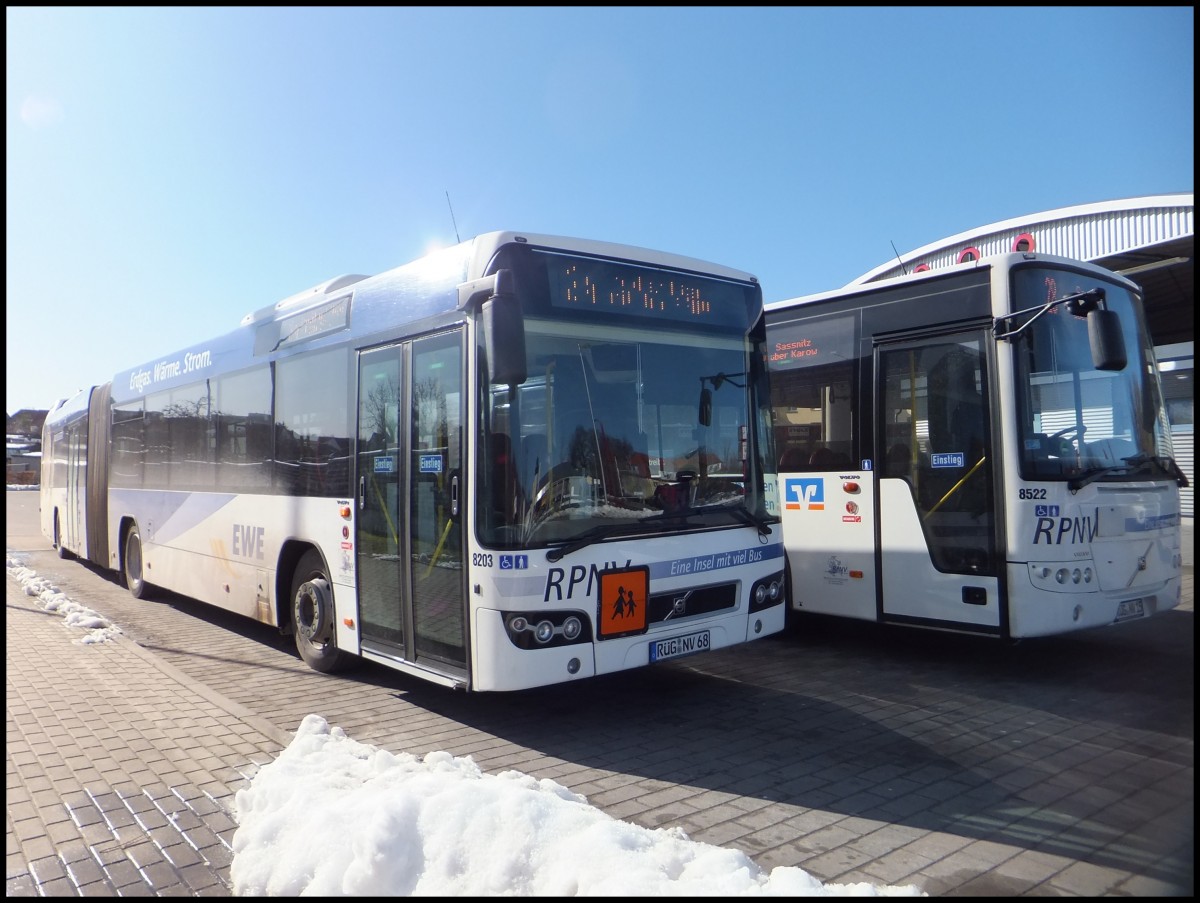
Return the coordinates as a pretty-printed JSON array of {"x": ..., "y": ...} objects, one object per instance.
[{"x": 1149, "y": 239}]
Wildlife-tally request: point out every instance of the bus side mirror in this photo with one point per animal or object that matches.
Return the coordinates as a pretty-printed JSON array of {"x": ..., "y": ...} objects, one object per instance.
[
  {"x": 1106, "y": 339},
  {"x": 504, "y": 333},
  {"x": 705, "y": 407}
]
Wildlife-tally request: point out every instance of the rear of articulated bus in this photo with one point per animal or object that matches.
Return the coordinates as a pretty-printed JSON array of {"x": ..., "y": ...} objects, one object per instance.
[
  {"x": 72, "y": 496},
  {"x": 624, "y": 482},
  {"x": 60, "y": 500},
  {"x": 1093, "y": 510}
]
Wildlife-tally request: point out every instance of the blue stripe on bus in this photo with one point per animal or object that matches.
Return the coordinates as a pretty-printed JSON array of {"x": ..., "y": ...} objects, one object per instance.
[
  {"x": 715, "y": 561},
  {"x": 509, "y": 587},
  {"x": 1149, "y": 524},
  {"x": 164, "y": 515}
]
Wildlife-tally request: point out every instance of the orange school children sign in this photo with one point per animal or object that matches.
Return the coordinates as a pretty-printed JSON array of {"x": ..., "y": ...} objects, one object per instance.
[{"x": 624, "y": 594}]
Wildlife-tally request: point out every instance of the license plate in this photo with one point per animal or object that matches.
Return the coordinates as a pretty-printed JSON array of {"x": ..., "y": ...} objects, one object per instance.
[
  {"x": 679, "y": 645},
  {"x": 1131, "y": 608}
]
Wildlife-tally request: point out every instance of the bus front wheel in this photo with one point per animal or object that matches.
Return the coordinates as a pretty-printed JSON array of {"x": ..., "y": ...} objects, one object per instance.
[
  {"x": 134, "y": 582},
  {"x": 313, "y": 616}
]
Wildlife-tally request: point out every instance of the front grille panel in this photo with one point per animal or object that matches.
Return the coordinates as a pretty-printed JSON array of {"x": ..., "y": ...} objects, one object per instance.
[{"x": 679, "y": 604}]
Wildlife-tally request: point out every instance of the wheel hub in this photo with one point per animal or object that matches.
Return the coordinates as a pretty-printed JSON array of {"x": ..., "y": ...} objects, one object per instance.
[{"x": 312, "y": 611}]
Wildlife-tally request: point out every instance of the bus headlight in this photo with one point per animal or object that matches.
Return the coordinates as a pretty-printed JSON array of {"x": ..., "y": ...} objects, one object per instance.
[
  {"x": 572, "y": 628},
  {"x": 546, "y": 629},
  {"x": 767, "y": 592},
  {"x": 1063, "y": 577}
]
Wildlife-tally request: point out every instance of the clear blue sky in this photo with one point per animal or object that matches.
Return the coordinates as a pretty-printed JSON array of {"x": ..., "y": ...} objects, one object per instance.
[{"x": 171, "y": 169}]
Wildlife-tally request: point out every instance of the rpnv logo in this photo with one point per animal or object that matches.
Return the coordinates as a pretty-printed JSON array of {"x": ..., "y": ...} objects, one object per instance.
[{"x": 804, "y": 494}]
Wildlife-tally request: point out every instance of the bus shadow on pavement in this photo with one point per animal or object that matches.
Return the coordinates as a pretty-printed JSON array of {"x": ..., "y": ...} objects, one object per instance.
[
  {"x": 1053, "y": 746},
  {"x": 1079, "y": 746}
]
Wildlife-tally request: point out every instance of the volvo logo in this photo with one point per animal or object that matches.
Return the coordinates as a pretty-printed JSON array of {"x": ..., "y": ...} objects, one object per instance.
[{"x": 679, "y": 605}]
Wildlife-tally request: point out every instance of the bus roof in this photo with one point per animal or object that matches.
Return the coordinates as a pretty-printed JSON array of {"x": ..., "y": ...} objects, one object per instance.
[
  {"x": 321, "y": 314},
  {"x": 1010, "y": 257},
  {"x": 490, "y": 241}
]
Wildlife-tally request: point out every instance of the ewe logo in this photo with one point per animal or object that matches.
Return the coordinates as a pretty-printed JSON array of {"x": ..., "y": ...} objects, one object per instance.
[{"x": 804, "y": 494}]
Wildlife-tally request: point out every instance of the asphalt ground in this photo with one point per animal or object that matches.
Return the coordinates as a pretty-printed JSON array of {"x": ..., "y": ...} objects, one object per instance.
[{"x": 860, "y": 753}]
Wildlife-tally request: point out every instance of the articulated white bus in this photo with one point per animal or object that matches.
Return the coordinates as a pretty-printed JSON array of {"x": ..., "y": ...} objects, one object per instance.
[
  {"x": 981, "y": 449},
  {"x": 520, "y": 461}
]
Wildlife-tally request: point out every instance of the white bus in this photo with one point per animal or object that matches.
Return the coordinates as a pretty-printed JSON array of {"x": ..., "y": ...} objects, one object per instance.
[
  {"x": 981, "y": 449},
  {"x": 520, "y": 461}
]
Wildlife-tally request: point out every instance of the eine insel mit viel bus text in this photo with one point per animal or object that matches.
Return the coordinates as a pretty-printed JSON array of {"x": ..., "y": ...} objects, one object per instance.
[{"x": 520, "y": 461}]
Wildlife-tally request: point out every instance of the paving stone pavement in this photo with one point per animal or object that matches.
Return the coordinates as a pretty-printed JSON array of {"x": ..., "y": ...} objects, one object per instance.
[
  {"x": 120, "y": 773},
  {"x": 122, "y": 767}
]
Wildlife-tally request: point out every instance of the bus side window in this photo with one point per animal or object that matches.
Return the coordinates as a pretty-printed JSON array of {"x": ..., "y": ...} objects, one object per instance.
[
  {"x": 899, "y": 461},
  {"x": 793, "y": 460},
  {"x": 822, "y": 459},
  {"x": 966, "y": 428}
]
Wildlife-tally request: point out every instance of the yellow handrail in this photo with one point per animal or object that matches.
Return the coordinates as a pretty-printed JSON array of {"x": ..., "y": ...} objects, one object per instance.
[{"x": 954, "y": 488}]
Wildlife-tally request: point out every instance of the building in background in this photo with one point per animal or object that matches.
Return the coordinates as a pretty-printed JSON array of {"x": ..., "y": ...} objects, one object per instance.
[
  {"x": 23, "y": 447},
  {"x": 1151, "y": 240}
]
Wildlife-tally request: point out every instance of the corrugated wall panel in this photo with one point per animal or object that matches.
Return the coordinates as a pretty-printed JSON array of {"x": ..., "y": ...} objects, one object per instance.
[
  {"x": 1184, "y": 443},
  {"x": 1087, "y": 237}
]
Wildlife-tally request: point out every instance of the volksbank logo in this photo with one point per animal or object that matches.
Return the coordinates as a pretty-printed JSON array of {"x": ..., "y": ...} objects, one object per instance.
[{"x": 801, "y": 494}]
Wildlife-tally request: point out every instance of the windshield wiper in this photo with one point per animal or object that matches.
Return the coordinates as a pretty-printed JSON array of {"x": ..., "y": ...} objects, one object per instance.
[
  {"x": 763, "y": 524},
  {"x": 588, "y": 537},
  {"x": 1130, "y": 465},
  {"x": 604, "y": 531},
  {"x": 1166, "y": 462},
  {"x": 749, "y": 517}
]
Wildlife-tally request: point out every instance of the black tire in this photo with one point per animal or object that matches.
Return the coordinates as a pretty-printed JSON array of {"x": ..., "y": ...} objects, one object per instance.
[
  {"x": 313, "y": 616},
  {"x": 131, "y": 562},
  {"x": 791, "y": 616},
  {"x": 62, "y": 551}
]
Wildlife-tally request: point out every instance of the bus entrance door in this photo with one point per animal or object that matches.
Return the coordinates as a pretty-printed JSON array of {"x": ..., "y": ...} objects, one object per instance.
[
  {"x": 937, "y": 525},
  {"x": 409, "y": 545},
  {"x": 73, "y": 525}
]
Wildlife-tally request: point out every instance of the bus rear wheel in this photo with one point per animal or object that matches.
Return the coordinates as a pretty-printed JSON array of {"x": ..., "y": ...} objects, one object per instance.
[
  {"x": 132, "y": 561},
  {"x": 313, "y": 614}
]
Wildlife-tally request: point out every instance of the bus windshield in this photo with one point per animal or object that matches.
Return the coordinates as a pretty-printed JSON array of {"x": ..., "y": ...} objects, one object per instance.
[
  {"x": 618, "y": 429},
  {"x": 1077, "y": 422}
]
